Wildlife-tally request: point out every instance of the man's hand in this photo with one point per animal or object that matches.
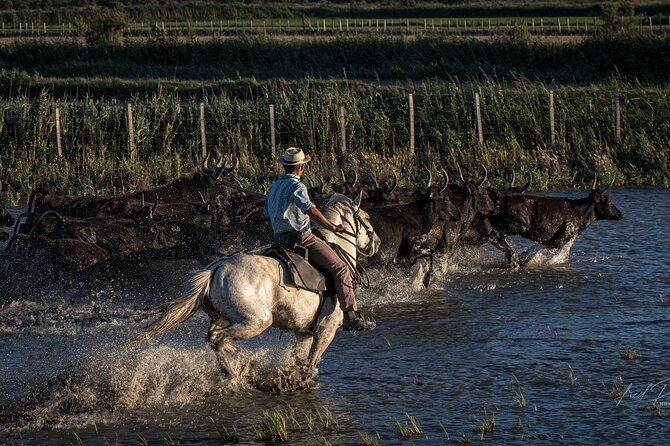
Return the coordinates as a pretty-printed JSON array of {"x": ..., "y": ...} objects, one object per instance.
[{"x": 317, "y": 217}]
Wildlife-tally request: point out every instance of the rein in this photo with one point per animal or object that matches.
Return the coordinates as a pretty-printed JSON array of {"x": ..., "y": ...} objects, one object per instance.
[{"x": 359, "y": 275}]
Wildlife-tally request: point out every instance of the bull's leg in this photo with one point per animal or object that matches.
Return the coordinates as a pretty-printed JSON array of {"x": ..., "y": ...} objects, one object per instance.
[
  {"x": 228, "y": 354},
  {"x": 431, "y": 270},
  {"x": 500, "y": 242}
]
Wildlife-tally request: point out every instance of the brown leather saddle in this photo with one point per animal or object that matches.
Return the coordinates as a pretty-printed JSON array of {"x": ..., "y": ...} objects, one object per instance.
[{"x": 301, "y": 273}]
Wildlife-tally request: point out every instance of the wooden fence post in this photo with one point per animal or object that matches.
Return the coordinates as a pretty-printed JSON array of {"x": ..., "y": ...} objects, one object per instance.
[
  {"x": 58, "y": 144},
  {"x": 478, "y": 109},
  {"x": 552, "y": 126},
  {"x": 203, "y": 138},
  {"x": 343, "y": 130},
  {"x": 411, "y": 125},
  {"x": 272, "y": 130},
  {"x": 131, "y": 133},
  {"x": 617, "y": 113}
]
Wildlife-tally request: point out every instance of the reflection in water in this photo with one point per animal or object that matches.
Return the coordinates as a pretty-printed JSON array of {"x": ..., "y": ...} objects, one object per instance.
[{"x": 475, "y": 342}]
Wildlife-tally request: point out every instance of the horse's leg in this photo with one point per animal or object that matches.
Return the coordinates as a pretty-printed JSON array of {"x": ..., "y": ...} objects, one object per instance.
[
  {"x": 325, "y": 332},
  {"x": 225, "y": 351},
  {"x": 302, "y": 346}
]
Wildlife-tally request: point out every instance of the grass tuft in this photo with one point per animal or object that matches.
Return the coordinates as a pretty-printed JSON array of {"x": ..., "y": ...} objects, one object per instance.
[
  {"x": 519, "y": 398},
  {"x": 409, "y": 429},
  {"x": 365, "y": 439},
  {"x": 629, "y": 354},
  {"x": 486, "y": 425},
  {"x": 227, "y": 436},
  {"x": 272, "y": 427},
  {"x": 616, "y": 391}
]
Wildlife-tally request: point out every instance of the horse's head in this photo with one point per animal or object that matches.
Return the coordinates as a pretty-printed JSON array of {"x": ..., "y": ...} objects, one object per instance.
[{"x": 342, "y": 210}]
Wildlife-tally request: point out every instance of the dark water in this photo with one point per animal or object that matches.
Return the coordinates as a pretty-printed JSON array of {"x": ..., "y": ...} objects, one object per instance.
[{"x": 449, "y": 356}]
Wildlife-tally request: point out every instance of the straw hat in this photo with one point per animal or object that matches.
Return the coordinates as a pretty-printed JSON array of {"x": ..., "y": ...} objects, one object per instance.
[{"x": 293, "y": 156}]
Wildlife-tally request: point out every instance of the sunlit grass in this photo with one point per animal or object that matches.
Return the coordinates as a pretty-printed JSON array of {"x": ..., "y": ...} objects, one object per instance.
[
  {"x": 272, "y": 427},
  {"x": 486, "y": 425},
  {"x": 408, "y": 429},
  {"x": 96, "y": 156}
]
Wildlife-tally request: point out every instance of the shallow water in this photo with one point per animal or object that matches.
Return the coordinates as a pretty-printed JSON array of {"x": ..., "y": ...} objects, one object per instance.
[{"x": 469, "y": 346}]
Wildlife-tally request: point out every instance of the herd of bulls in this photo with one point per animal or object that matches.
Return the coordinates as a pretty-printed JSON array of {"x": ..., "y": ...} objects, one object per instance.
[{"x": 211, "y": 213}]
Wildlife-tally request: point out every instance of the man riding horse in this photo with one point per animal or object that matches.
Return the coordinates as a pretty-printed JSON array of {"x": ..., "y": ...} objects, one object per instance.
[{"x": 290, "y": 211}]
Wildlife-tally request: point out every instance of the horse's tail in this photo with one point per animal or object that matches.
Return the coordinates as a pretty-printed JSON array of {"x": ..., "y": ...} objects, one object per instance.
[{"x": 198, "y": 287}]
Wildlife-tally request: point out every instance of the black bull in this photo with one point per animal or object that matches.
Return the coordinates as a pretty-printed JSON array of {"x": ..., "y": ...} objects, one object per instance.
[
  {"x": 403, "y": 228},
  {"x": 550, "y": 221}
]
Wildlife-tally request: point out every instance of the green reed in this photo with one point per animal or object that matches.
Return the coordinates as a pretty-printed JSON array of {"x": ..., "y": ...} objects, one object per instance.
[{"x": 516, "y": 128}]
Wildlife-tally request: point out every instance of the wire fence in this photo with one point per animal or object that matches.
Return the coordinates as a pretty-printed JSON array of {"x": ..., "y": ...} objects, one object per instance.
[
  {"x": 599, "y": 127},
  {"x": 334, "y": 26}
]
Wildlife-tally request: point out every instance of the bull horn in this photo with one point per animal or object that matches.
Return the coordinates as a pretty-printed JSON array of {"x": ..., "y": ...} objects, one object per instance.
[
  {"x": 265, "y": 190},
  {"x": 429, "y": 183},
  {"x": 609, "y": 185},
  {"x": 228, "y": 170},
  {"x": 242, "y": 189},
  {"x": 202, "y": 197},
  {"x": 486, "y": 174},
  {"x": 395, "y": 182},
  {"x": 309, "y": 181},
  {"x": 355, "y": 179},
  {"x": 595, "y": 180},
  {"x": 511, "y": 183},
  {"x": 525, "y": 187},
  {"x": 344, "y": 177},
  {"x": 460, "y": 173},
  {"x": 446, "y": 180},
  {"x": 322, "y": 183},
  {"x": 372, "y": 177},
  {"x": 204, "y": 164}
]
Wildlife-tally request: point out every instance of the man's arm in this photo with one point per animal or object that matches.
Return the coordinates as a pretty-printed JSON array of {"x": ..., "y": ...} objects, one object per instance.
[{"x": 317, "y": 217}]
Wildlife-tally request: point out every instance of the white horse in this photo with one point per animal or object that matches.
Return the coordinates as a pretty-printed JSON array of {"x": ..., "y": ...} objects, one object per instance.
[{"x": 244, "y": 295}]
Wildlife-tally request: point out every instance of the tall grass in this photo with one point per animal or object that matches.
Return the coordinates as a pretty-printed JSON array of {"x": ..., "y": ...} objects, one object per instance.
[{"x": 516, "y": 129}]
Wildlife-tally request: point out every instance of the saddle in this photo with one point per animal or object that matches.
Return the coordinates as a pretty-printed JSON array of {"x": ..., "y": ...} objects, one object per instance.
[{"x": 302, "y": 274}]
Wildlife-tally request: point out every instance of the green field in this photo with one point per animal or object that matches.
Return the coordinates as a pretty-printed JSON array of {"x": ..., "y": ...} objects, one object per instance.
[{"x": 91, "y": 73}]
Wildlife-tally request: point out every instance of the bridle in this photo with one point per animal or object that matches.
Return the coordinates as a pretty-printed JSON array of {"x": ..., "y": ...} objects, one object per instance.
[
  {"x": 359, "y": 224},
  {"x": 358, "y": 274}
]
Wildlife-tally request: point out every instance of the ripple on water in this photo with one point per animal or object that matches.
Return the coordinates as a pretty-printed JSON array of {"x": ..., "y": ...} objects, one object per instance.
[{"x": 445, "y": 355}]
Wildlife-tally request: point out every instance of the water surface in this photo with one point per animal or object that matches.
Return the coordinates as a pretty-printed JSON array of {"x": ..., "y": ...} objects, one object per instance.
[{"x": 450, "y": 356}]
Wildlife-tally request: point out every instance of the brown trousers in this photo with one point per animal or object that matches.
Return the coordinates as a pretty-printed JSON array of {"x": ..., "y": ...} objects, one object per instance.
[{"x": 323, "y": 257}]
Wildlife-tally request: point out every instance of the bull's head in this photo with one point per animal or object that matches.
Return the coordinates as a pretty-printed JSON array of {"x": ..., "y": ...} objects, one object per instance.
[
  {"x": 603, "y": 207},
  {"x": 381, "y": 195},
  {"x": 347, "y": 187}
]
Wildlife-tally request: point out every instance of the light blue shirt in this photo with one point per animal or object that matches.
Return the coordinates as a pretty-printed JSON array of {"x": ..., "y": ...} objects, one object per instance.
[{"x": 286, "y": 204}]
